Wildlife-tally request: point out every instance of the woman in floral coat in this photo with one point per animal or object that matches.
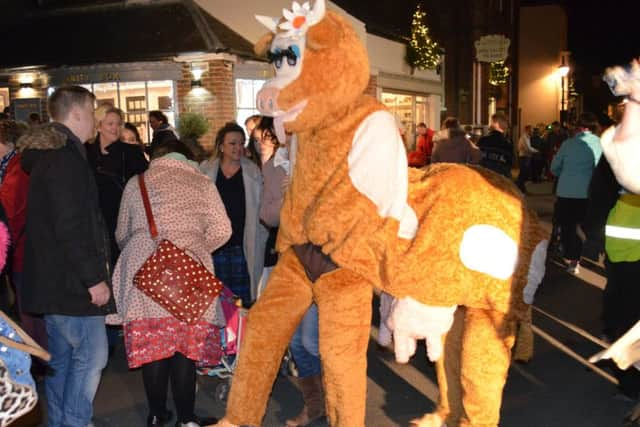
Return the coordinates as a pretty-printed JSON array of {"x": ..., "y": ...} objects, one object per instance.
[{"x": 188, "y": 211}]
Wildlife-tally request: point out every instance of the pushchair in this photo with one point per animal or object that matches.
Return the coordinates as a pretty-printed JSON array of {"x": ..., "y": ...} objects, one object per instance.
[{"x": 230, "y": 339}]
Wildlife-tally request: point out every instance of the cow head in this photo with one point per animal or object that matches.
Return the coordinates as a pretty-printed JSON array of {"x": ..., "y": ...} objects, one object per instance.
[{"x": 321, "y": 67}]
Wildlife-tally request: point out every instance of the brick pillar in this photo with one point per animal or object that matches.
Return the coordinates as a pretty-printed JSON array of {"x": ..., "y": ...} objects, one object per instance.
[
  {"x": 215, "y": 99},
  {"x": 372, "y": 87}
]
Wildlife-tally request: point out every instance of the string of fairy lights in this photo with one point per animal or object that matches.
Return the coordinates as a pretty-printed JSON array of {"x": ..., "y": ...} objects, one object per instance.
[{"x": 498, "y": 73}]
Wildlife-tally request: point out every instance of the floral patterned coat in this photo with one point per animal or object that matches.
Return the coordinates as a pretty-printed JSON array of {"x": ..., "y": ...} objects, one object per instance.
[{"x": 187, "y": 210}]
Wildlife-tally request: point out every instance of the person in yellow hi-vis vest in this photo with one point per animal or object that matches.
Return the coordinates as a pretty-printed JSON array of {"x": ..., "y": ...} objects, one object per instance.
[
  {"x": 612, "y": 224},
  {"x": 621, "y": 146}
]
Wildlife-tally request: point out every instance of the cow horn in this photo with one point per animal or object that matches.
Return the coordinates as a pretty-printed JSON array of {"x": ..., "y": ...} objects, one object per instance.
[
  {"x": 317, "y": 13},
  {"x": 269, "y": 22}
]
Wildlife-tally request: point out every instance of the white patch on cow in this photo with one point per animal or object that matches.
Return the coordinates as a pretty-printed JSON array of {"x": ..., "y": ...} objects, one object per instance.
[
  {"x": 489, "y": 250},
  {"x": 378, "y": 170}
]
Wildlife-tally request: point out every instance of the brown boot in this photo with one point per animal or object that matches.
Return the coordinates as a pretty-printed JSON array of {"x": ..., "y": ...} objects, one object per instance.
[{"x": 313, "y": 402}]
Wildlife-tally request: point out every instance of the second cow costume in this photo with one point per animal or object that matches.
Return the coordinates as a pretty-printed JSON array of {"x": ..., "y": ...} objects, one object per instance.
[{"x": 354, "y": 218}]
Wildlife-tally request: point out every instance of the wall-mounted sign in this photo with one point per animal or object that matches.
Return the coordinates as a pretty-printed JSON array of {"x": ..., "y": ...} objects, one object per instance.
[
  {"x": 123, "y": 72},
  {"x": 492, "y": 48},
  {"x": 24, "y": 106}
]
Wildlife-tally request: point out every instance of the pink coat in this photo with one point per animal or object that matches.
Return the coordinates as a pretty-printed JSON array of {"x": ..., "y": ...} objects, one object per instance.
[{"x": 187, "y": 210}]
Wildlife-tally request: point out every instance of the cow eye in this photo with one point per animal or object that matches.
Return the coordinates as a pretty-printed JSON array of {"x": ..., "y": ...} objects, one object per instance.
[{"x": 292, "y": 54}]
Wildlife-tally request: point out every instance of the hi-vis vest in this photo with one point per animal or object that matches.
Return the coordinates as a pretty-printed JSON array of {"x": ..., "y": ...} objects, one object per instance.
[{"x": 622, "y": 233}]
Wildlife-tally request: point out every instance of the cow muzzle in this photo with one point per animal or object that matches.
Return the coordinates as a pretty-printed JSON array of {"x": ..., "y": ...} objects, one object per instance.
[{"x": 267, "y": 100}]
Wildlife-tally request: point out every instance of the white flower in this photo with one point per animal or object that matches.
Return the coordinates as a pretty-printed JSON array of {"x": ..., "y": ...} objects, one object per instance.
[{"x": 298, "y": 19}]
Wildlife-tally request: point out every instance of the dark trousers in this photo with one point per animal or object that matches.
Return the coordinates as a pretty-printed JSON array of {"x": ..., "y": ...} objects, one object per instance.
[
  {"x": 569, "y": 213},
  {"x": 620, "y": 311},
  {"x": 525, "y": 172}
]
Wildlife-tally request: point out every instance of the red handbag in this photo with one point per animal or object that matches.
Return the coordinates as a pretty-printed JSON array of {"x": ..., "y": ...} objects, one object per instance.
[{"x": 172, "y": 278}]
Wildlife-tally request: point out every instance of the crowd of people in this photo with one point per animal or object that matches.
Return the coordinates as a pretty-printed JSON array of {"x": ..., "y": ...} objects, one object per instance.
[
  {"x": 88, "y": 235},
  {"x": 72, "y": 268}
]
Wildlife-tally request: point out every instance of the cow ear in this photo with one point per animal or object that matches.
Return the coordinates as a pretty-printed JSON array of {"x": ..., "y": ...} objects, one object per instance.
[
  {"x": 324, "y": 34},
  {"x": 262, "y": 46}
]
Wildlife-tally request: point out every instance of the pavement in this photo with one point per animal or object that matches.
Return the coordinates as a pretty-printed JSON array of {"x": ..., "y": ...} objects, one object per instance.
[{"x": 557, "y": 388}]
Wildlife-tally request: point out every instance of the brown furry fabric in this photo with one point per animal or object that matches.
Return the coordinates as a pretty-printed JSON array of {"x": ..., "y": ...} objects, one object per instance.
[
  {"x": 334, "y": 76},
  {"x": 322, "y": 206},
  {"x": 448, "y": 199},
  {"x": 43, "y": 137}
]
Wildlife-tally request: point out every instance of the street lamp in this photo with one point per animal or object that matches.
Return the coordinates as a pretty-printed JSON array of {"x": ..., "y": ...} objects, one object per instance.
[{"x": 563, "y": 71}]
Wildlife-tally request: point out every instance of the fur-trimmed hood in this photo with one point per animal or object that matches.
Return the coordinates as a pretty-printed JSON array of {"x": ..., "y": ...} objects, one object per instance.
[{"x": 38, "y": 139}]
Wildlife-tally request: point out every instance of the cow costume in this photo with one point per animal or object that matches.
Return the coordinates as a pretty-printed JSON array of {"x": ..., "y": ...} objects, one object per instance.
[{"x": 452, "y": 244}]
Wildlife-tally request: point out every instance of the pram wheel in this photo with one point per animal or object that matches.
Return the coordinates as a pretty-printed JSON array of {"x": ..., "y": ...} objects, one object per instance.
[{"x": 222, "y": 392}]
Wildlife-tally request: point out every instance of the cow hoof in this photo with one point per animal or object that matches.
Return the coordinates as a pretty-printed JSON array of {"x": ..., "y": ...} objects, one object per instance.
[{"x": 428, "y": 420}]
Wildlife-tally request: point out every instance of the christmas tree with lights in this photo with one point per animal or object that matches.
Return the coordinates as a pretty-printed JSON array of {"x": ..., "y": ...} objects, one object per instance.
[
  {"x": 422, "y": 52},
  {"x": 498, "y": 73}
]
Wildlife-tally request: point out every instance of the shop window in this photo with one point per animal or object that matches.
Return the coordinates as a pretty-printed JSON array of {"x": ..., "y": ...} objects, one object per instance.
[
  {"x": 106, "y": 94},
  {"x": 246, "y": 91},
  {"x": 161, "y": 97},
  {"x": 135, "y": 99},
  {"x": 401, "y": 106},
  {"x": 409, "y": 110}
]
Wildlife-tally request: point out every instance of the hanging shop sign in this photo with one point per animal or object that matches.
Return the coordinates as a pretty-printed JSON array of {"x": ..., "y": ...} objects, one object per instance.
[{"x": 492, "y": 48}]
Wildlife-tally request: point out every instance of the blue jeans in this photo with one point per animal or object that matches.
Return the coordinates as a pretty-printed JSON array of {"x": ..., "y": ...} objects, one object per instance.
[
  {"x": 304, "y": 344},
  {"x": 78, "y": 347}
]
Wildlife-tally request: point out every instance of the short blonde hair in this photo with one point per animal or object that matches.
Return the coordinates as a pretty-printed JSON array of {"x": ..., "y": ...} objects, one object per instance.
[{"x": 103, "y": 110}]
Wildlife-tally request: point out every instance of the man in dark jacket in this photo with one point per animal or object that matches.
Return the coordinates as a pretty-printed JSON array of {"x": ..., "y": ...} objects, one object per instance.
[
  {"x": 66, "y": 265},
  {"x": 497, "y": 151}
]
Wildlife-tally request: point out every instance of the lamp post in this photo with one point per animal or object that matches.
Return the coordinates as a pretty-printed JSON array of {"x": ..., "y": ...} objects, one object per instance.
[{"x": 563, "y": 71}]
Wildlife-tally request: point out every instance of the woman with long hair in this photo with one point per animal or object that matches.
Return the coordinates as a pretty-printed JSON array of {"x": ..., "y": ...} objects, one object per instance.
[{"x": 240, "y": 261}]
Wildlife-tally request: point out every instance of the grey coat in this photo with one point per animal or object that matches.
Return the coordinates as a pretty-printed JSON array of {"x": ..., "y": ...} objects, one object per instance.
[{"x": 255, "y": 234}]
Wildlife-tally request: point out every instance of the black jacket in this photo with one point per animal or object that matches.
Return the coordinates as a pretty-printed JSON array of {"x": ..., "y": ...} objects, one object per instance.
[
  {"x": 604, "y": 192},
  {"x": 66, "y": 248},
  {"x": 163, "y": 134},
  {"x": 497, "y": 153},
  {"x": 112, "y": 171}
]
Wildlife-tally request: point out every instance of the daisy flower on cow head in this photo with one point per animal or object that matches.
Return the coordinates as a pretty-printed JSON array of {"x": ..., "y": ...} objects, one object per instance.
[{"x": 298, "y": 19}]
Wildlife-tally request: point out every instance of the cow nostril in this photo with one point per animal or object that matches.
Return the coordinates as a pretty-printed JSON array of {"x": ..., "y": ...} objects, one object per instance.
[
  {"x": 260, "y": 104},
  {"x": 271, "y": 104}
]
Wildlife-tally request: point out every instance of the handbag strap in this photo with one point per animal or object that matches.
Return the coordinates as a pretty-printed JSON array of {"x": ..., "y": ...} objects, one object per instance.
[
  {"x": 29, "y": 345},
  {"x": 147, "y": 207}
]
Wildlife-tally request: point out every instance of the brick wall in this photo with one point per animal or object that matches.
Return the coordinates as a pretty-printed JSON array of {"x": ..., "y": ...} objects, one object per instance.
[
  {"x": 372, "y": 86},
  {"x": 215, "y": 99}
]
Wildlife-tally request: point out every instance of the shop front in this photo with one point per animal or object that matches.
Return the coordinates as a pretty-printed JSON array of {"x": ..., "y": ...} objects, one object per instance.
[
  {"x": 135, "y": 88},
  {"x": 412, "y": 102}
]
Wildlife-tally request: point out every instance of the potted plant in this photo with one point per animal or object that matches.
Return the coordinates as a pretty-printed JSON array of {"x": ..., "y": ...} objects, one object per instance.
[{"x": 191, "y": 127}]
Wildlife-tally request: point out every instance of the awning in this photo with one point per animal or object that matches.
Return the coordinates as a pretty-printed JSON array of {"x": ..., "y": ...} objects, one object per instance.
[{"x": 77, "y": 33}]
